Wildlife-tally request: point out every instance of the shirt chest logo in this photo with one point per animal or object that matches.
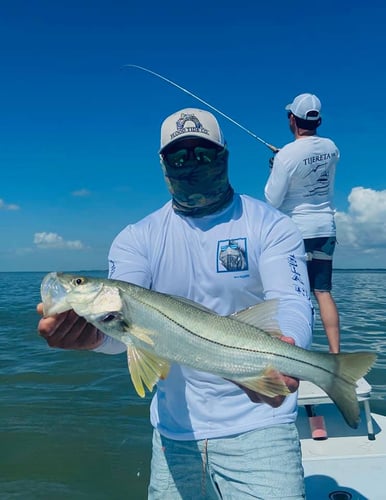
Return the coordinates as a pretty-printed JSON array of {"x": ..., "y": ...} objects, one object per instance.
[{"x": 232, "y": 255}]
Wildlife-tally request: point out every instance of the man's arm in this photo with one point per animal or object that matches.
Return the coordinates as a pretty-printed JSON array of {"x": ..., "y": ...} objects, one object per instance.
[
  {"x": 284, "y": 275},
  {"x": 277, "y": 184}
]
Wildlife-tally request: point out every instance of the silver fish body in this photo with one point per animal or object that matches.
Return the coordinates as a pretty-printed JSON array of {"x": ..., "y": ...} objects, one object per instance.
[{"x": 159, "y": 329}]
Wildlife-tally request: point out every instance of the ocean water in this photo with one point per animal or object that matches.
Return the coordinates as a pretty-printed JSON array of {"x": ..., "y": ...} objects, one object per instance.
[{"x": 71, "y": 426}]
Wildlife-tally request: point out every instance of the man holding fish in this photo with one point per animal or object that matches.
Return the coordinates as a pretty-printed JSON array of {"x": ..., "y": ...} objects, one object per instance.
[{"x": 213, "y": 438}]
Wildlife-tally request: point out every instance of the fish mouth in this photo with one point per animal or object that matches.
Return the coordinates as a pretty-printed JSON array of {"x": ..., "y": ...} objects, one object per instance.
[{"x": 54, "y": 295}]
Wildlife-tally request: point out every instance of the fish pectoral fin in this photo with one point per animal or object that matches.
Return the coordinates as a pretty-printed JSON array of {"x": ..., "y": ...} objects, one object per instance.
[
  {"x": 269, "y": 383},
  {"x": 261, "y": 316},
  {"x": 145, "y": 368},
  {"x": 142, "y": 334}
]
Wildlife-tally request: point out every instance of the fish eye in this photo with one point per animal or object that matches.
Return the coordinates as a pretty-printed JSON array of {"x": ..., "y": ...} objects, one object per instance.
[
  {"x": 78, "y": 281},
  {"x": 109, "y": 317}
]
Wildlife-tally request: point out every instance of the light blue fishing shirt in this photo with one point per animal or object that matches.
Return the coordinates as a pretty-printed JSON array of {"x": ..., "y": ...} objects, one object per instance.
[
  {"x": 227, "y": 261},
  {"x": 301, "y": 184}
]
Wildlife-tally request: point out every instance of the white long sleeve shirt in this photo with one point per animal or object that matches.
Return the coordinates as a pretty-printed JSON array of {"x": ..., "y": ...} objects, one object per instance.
[
  {"x": 226, "y": 261},
  {"x": 301, "y": 184}
]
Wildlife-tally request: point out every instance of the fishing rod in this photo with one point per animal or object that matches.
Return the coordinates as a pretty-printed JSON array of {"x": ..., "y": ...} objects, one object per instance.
[{"x": 274, "y": 149}]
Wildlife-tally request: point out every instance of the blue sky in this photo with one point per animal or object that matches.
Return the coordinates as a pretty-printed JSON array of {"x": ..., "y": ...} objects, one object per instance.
[{"x": 79, "y": 136}]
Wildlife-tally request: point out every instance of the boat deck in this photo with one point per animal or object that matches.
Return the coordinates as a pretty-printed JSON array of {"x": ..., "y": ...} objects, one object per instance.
[{"x": 350, "y": 463}]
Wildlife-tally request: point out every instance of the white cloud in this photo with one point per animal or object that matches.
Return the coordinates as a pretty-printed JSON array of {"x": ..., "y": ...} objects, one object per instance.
[
  {"x": 364, "y": 225},
  {"x": 361, "y": 231},
  {"x": 8, "y": 206},
  {"x": 81, "y": 193},
  {"x": 54, "y": 240}
]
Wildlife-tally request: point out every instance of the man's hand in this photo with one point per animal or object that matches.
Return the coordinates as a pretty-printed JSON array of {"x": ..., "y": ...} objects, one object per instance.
[
  {"x": 68, "y": 331},
  {"x": 275, "y": 402}
]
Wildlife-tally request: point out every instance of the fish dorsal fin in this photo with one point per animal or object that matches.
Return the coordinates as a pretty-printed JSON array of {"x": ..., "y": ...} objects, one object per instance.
[
  {"x": 145, "y": 369},
  {"x": 269, "y": 383},
  {"x": 261, "y": 316}
]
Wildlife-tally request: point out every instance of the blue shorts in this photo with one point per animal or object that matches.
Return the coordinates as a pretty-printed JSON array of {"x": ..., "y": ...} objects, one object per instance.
[
  {"x": 319, "y": 262},
  {"x": 264, "y": 463}
]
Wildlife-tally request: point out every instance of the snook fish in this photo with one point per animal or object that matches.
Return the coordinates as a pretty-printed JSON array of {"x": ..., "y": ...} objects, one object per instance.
[{"x": 160, "y": 329}]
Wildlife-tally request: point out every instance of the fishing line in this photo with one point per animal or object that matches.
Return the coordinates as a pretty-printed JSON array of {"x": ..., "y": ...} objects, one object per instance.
[{"x": 274, "y": 149}]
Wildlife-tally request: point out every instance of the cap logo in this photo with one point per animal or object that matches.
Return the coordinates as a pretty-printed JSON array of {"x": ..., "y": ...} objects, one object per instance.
[{"x": 182, "y": 129}]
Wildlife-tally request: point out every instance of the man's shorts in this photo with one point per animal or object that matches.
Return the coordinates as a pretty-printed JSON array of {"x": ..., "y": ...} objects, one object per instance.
[
  {"x": 319, "y": 253},
  {"x": 263, "y": 463}
]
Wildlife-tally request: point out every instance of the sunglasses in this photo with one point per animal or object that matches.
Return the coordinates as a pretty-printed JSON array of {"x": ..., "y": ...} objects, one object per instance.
[{"x": 203, "y": 156}]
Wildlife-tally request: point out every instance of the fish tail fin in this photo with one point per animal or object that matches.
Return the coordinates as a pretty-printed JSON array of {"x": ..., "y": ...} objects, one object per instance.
[{"x": 350, "y": 367}]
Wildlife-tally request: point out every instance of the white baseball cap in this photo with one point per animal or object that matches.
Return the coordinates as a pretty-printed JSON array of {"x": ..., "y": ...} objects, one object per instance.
[
  {"x": 191, "y": 122},
  {"x": 303, "y": 104}
]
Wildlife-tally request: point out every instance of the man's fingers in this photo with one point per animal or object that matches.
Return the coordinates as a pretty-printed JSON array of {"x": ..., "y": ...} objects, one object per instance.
[
  {"x": 289, "y": 340},
  {"x": 291, "y": 383},
  {"x": 69, "y": 331}
]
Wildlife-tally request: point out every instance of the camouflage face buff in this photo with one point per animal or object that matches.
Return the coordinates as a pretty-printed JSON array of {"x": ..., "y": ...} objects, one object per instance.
[{"x": 198, "y": 187}]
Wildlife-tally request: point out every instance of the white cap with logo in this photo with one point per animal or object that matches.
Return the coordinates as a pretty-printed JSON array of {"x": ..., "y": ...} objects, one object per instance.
[
  {"x": 306, "y": 107},
  {"x": 191, "y": 122}
]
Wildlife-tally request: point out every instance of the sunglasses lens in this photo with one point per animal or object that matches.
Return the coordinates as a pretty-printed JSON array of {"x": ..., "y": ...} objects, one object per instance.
[
  {"x": 177, "y": 158},
  {"x": 199, "y": 155},
  {"x": 205, "y": 155}
]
